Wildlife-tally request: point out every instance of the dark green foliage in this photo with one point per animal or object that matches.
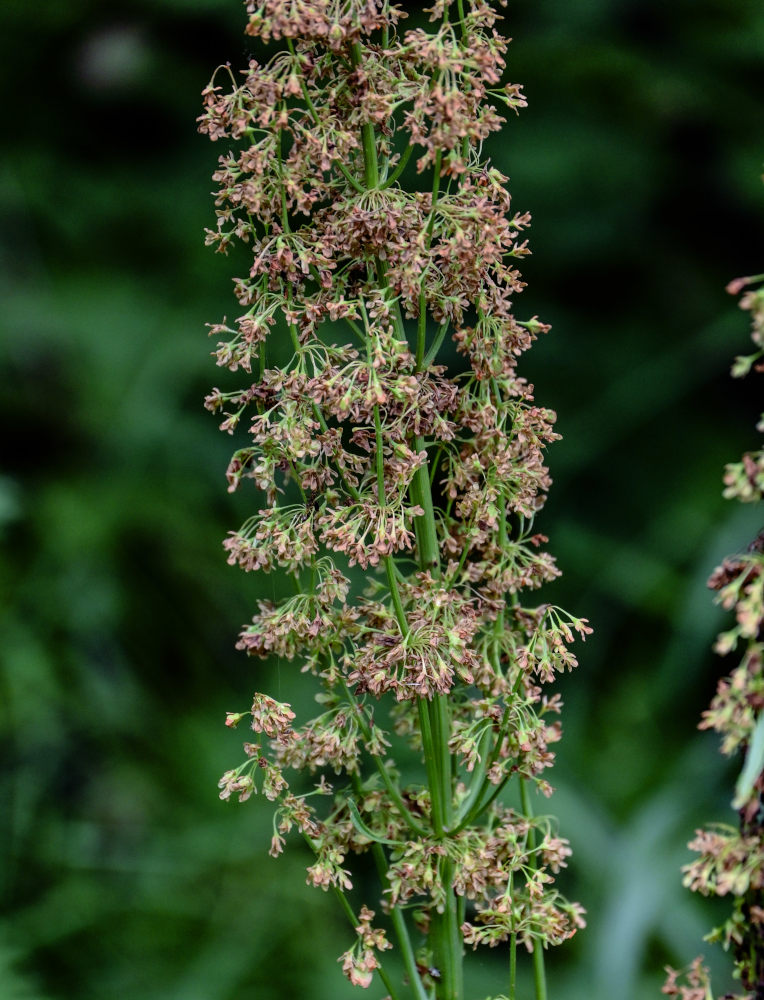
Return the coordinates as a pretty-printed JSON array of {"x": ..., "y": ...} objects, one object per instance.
[{"x": 639, "y": 159}]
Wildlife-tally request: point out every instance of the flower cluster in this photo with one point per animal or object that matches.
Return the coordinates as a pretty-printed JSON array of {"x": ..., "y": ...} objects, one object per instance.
[
  {"x": 731, "y": 860},
  {"x": 697, "y": 986},
  {"x": 398, "y": 492},
  {"x": 360, "y": 961},
  {"x": 744, "y": 480}
]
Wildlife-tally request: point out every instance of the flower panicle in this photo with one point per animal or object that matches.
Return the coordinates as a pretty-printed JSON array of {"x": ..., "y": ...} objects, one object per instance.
[
  {"x": 730, "y": 859},
  {"x": 395, "y": 492}
]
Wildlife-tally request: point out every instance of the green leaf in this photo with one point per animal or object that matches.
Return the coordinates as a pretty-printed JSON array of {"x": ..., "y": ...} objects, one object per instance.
[
  {"x": 754, "y": 765},
  {"x": 362, "y": 828}
]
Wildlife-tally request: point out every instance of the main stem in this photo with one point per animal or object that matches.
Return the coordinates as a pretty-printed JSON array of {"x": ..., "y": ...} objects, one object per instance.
[
  {"x": 539, "y": 974},
  {"x": 434, "y": 715}
]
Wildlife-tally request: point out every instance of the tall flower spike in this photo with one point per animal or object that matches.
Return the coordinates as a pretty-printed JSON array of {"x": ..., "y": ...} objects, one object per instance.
[
  {"x": 730, "y": 859},
  {"x": 397, "y": 492}
]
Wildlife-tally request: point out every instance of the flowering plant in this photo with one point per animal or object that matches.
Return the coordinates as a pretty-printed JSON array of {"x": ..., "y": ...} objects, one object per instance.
[
  {"x": 370, "y": 452},
  {"x": 731, "y": 859}
]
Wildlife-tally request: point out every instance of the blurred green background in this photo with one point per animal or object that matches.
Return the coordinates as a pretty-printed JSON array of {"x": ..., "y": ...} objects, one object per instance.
[{"x": 123, "y": 874}]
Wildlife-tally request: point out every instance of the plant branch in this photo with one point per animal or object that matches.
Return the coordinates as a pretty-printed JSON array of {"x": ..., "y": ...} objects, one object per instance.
[{"x": 539, "y": 973}]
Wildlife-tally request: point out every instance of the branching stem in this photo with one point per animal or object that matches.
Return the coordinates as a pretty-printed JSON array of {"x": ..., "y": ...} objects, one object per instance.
[
  {"x": 347, "y": 909},
  {"x": 539, "y": 973}
]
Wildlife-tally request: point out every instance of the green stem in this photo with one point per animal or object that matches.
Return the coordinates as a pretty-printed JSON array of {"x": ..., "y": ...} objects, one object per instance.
[
  {"x": 316, "y": 411},
  {"x": 421, "y": 335},
  {"x": 314, "y": 115},
  {"x": 473, "y": 806},
  {"x": 404, "y": 941},
  {"x": 481, "y": 806},
  {"x": 539, "y": 973},
  {"x": 431, "y": 764},
  {"x": 401, "y": 930},
  {"x": 396, "y": 915},
  {"x": 324, "y": 428},
  {"x": 435, "y": 191},
  {"x": 422, "y": 323},
  {"x": 450, "y": 940},
  {"x": 425, "y": 527},
  {"x": 392, "y": 582},
  {"x": 384, "y": 774},
  {"x": 499, "y": 738},
  {"x": 434, "y": 716},
  {"x": 478, "y": 774},
  {"x": 389, "y": 562},
  {"x": 431, "y": 354},
  {"x": 428, "y": 745},
  {"x": 354, "y": 922},
  {"x": 512, "y": 947},
  {"x": 436, "y": 729},
  {"x": 379, "y": 442},
  {"x": 399, "y": 168},
  {"x": 435, "y": 723},
  {"x": 443, "y": 729},
  {"x": 371, "y": 167},
  {"x": 512, "y": 967}
]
